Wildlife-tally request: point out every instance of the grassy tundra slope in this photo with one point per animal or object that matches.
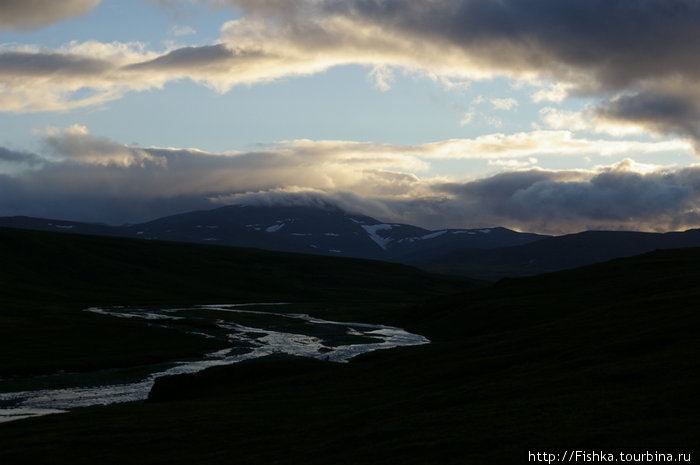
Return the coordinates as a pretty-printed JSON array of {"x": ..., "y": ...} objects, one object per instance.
[
  {"x": 599, "y": 358},
  {"x": 47, "y": 279}
]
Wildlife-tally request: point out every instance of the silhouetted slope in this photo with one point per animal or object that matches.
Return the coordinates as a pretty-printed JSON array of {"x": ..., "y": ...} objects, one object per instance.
[
  {"x": 556, "y": 253},
  {"x": 47, "y": 279},
  {"x": 105, "y": 270},
  {"x": 600, "y": 358}
]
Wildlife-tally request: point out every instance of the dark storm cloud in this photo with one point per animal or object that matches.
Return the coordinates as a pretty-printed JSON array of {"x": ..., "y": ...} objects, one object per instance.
[
  {"x": 648, "y": 48},
  {"x": 567, "y": 201},
  {"x": 188, "y": 58},
  {"x": 620, "y": 42},
  {"x": 21, "y": 196},
  {"x": 28, "y": 64},
  {"x": 501, "y": 187},
  {"x": 29, "y": 14},
  {"x": 27, "y": 158},
  {"x": 660, "y": 113}
]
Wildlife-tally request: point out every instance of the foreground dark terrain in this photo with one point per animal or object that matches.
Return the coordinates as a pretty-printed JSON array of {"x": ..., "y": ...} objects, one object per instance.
[{"x": 601, "y": 357}]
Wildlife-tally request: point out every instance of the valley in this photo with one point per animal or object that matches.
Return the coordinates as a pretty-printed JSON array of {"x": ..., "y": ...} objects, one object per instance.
[{"x": 603, "y": 356}]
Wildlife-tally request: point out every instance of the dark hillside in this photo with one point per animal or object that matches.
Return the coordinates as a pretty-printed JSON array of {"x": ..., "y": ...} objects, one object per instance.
[
  {"x": 96, "y": 270},
  {"x": 48, "y": 278},
  {"x": 600, "y": 358},
  {"x": 556, "y": 253}
]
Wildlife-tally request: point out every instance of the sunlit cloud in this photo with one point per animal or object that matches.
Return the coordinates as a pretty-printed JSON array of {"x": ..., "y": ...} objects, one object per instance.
[
  {"x": 74, "y": 144},
  {"x": 633, "y": 63},
  {"x": 643, "y": 53},
  {"x": 541, "y": 142},
  {"x": 588, "y": 120},
  {"x": 504, "y": 103},
  {"x": 182, "y": 31},
  {"x": 514, "y": 164},
  {"x": 467, "y": 118},
  {"x": 94, "y": 178},
  {"x": 554, "y": 93},
  {"x": 49, "y": 80},
  {"x": 382, "y": 76}
]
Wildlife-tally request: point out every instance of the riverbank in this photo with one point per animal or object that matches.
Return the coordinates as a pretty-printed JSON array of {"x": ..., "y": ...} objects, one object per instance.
[{"x": 604, "y": 357}]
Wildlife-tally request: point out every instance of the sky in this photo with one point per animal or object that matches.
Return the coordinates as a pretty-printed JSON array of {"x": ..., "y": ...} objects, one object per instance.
[{"x": 548, "y": 116}]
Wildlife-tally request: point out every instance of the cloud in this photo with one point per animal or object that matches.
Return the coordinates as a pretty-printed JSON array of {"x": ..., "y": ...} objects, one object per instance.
[
  {"x": 21, "y": 158},
  {"x": 658, "y": 113},
  {"x": 555, "y": 93},
  {"x": 540, "y": 142},
  {"x": 86, "y": 177},
  {"x": 347, "y": 201},
  {"x": 643, "y": 49},
  {"x": 613, "y": 197},
  {"x": 638, "y": 57},
  {"x": 33, "y": 80},
  {"x": 383, "y": 77},
  {"x": 467, "y": 118},
  {"x": 504, "y": 103},
  {"x": 592, "y": 120},
  {"x": 513, "y": 164},
  {"x": 616, "y": 197},
  {"x": 31, "y": 14},
  {"x": 182, "y": 31},
  {"x": 74, "y": 144},
  {"x": 78, "y": 165}
]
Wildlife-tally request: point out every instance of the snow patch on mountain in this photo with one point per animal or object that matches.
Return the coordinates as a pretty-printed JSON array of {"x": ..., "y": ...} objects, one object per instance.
[
  {"x": 274, "y": 227},
  {"x": 372, "y": 231},
  {"x": 433, "y": 235}
]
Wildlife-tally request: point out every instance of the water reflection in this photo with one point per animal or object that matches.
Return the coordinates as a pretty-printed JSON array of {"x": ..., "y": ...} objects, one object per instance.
[{"x": 294, "y": 334}]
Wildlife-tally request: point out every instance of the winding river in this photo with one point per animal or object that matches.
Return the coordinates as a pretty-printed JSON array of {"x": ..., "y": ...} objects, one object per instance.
[{"x": 274, "y": 333}]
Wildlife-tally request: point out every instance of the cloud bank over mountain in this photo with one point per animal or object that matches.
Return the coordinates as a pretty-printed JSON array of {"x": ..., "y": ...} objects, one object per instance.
[
  {"x": 81, "y": 176},
  {"x": 633, "y": 63}
]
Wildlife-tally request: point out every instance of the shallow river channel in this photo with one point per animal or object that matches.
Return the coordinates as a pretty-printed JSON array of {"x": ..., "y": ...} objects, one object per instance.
[{"x": 251, "y": 332}]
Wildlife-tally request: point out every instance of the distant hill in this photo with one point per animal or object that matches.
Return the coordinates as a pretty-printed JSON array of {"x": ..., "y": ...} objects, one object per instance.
[
  {"x": 487, "y": 253},
  {"x": 324, "y": 230},
  {"x": 96, "y": 270},
  {"x": 556, "y": 253}
]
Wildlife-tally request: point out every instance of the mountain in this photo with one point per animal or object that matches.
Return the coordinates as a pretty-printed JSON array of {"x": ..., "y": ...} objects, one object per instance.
[
  {"x": 556, "y": 253},
  {"x": 45, "y": 224},
  {"x": 325, "y": 230}
]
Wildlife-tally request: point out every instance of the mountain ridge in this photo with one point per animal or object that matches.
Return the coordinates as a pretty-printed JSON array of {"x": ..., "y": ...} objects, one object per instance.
[
  {"x": 324, "y": 230},
  {"x": 482, "y": 253}
]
